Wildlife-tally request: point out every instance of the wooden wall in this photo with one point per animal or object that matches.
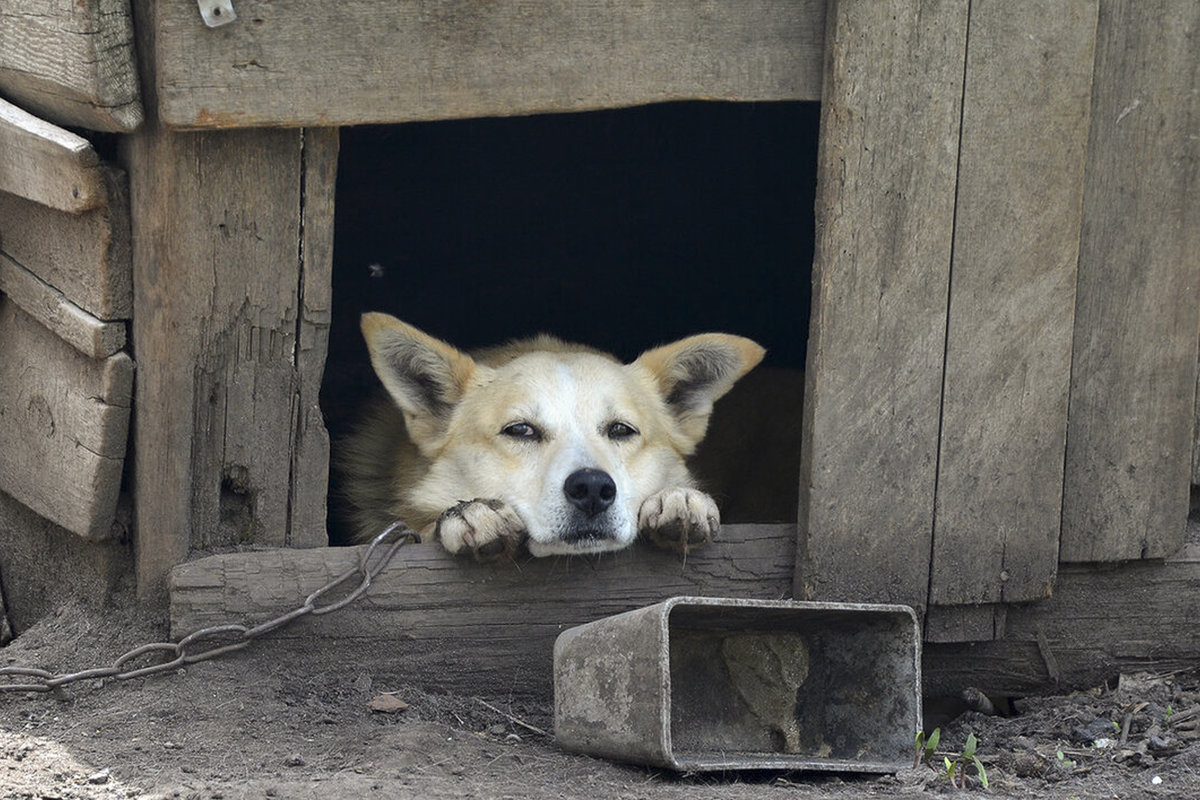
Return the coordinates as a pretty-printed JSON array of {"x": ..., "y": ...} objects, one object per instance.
[
  {"x": 1011, "y": 226},
  {"x": 65, "y": 382},
  {"x": 1003, "y": 360}
]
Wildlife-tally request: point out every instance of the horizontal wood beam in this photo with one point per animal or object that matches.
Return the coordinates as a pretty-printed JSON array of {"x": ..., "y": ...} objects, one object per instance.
[
  {"x": 93, "y": 337},
  {"x": 361, "y": 61},
  {"x": 88, "y": 257},
  {"x": 72, "y": 63},
  {"x": 46, "y": 164},
  {"x": 1101, "y": 621},
  {"x": 461, "y": 625}
]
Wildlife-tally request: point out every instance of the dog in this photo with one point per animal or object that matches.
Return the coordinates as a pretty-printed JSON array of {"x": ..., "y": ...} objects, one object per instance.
[{"x": 557, "y": 447}]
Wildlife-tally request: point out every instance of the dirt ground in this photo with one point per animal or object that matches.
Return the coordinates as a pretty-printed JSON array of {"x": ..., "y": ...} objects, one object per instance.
[{"x": 252, "y": 725}]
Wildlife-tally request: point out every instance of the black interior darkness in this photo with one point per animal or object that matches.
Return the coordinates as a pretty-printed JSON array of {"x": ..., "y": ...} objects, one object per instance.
[{"x": 620, "y": 229}]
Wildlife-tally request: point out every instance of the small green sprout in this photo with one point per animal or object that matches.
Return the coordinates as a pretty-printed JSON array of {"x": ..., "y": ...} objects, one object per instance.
[
  {"x": 926, "y": 749},
  {"x": 953, "y": 769}
]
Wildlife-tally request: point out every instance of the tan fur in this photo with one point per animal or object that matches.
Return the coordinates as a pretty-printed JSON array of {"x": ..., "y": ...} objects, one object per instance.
[{"x": 455, "y": 454}]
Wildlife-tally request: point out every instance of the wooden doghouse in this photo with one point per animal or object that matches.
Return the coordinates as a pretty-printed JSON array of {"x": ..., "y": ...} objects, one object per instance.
[{"x": 1000, "y": 405}]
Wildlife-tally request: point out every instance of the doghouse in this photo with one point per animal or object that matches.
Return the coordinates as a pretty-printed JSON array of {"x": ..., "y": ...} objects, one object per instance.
[{"x": 998, "y": 425}]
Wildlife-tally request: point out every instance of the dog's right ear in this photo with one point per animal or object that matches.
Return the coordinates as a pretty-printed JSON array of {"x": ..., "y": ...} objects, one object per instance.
[{"x": 425, "y": 376}]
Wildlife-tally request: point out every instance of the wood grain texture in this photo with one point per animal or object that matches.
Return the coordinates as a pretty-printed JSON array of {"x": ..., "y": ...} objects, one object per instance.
[
  {"x": 458, "y": 624},
  {"x": 1012, "y": 301},
  {"x": 87, "y": 258},
  {"x": 1196, "y": 436},
  {"x": 1100, "y": 622},
  {"x": 72, "y": 63},
  {"x": 46, "y": 164},
  {"x": 93, "y": 337},
  {"x": 360, "y": 61},
  {"x": 885, "y": 209},
  {"x": 64, "y": 422},
  {"x": 1137, "y": 325},
  {"x": 6, "y": 631},
  {"x": 231, "y": 304}
]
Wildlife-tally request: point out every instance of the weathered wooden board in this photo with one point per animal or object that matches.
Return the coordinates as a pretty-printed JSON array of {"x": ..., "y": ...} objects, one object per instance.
[
  {"x": 1012, "y": 301},
  {"x": 885, "y": 209},
  {"x": 361, "y": 61},
  {"x": 977, "y": 623},
  {"x": 1100, "y": 622},
  {"x": 1196, "y": 436},
  {"x": 6, "y": 631},
  {"x": 46, "y": 164},
  {"x": 1133, "y": 383},
  {"x": 88, "y": 256},
  {"x": 462, "y": 625},
  {"x": 72, "y": 63},
  {"x": 90, "y": 336},
  {"x": 64, "y": 421},
  {"x": 232, "y": 237}
]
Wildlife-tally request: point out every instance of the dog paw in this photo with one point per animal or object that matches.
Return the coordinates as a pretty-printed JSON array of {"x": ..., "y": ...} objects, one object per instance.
[
  {"x": 679, "y": 519},
  {"x": 485, "y": 529}
]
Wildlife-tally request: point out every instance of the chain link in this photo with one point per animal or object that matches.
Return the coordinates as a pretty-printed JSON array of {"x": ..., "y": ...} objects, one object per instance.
[{"x": 217, "y": 640}]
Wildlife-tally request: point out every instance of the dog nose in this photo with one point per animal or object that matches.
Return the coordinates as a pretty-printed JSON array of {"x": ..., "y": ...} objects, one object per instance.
[{"x": 590, "y": 490}]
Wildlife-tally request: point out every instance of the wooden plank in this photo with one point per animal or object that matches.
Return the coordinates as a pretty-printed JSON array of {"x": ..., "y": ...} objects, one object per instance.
[
  {"x": 90, "y": 336},
  {"x": 1196, "y": 436},
  {"x": 978, "y": 623},
  {"x": 1101, "y": 621},
  {"x": 360, "y": 61},
  {"x": 6, "y": 631},
  {"x": 87, "y": 258},
  {"x": 309, "y": 475},
  {"x": 72, "y": 63},
  {"x": 1133, "y": 383},
  {"x": 1012, "y": 301},
  {"x": 461, "y": 625},
  {"x": 229, "y": 354},
  {"x": 64, "y": 421},
  {"x": 885, "y": 209},
  {"x": 46, "y": 164}
]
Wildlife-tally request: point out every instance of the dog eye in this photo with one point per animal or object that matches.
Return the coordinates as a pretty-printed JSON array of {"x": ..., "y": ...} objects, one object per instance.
[
  {"x": 522, "y": 430},
  {"x": 620, "y": 430}
]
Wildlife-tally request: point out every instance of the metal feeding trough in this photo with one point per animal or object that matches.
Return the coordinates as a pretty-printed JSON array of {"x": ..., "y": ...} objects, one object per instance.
[{"x": 699, "y": 683}]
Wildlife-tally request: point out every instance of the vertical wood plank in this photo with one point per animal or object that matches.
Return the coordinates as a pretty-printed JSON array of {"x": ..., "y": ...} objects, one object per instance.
[
  {"x": 1012, "y": 300},
  {"x": 1137, "y": 324},
  {"x": 1196, "y": 435},
  {"x": 885, "y": 206},
  {"x": 229, "y": 360},
  {"x": 310, "y": 460}
]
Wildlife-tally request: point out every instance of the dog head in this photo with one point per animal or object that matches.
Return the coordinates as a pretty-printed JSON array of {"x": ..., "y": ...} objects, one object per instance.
[{"x": 571, "y": 439}]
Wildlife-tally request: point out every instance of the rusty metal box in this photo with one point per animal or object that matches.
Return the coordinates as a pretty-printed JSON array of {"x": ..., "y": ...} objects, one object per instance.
[{"x": 700, "y": 683}]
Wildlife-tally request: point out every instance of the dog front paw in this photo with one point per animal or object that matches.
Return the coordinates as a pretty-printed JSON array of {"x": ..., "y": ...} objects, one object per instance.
[
  {"x": 679, "y": 519},
  {"x": 485, "y": 529}
]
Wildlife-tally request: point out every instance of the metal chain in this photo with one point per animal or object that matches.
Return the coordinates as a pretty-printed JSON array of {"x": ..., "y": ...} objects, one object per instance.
[{"x": 189, "y": 649}]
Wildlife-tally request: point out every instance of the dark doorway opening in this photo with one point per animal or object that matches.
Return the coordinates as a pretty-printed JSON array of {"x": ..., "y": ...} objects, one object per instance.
[{"x": 620, "y": 229}]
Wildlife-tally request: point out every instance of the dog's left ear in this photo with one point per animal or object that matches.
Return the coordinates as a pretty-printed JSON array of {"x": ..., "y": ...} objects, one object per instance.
[{"x": 692, "y": 373}]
